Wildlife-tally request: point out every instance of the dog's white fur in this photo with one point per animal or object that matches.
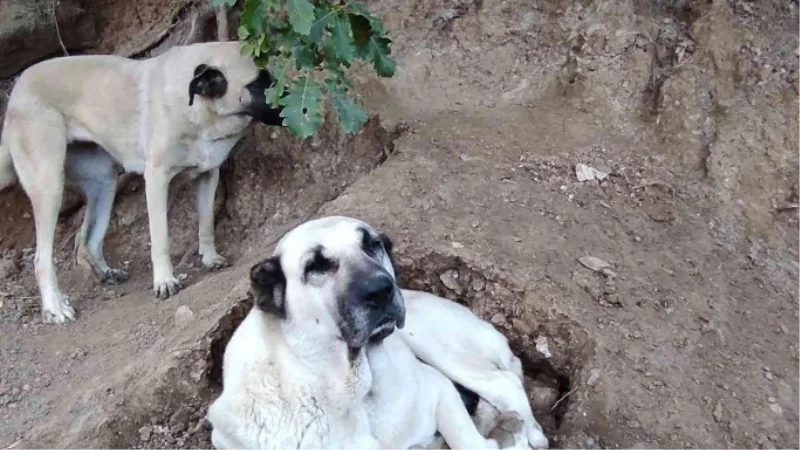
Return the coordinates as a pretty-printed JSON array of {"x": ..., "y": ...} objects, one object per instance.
[
  {"x": 290, "y": 382},
  {"x": 139, "y": 113}
]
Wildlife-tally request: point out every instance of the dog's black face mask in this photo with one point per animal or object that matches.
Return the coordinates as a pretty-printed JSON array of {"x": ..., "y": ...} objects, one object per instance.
[
  {"x": 207, "y": 82},
  {"x": 258, "y": 108},
  {"x": 371, "y": 306}
]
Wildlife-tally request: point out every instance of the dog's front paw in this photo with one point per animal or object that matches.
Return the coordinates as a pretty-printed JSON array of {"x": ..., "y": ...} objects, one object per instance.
[
  {"x": 114, "y": 276},
  {"x": 57, "y": 310},
  {"x": 166, "y": 288},
  {"x": 536, "y": 437},
  {"x": 214, "y": 261},
  {"x": 509, "y": 431}
]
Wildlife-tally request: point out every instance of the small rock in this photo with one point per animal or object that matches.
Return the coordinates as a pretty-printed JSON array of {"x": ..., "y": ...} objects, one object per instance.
[
  {"x": 478, "y": 284},
  {"x": 593, "y": 263},
  {"x": 784, "y": 329},
  {"x": 633, "y": 423},
  {"x": 183, "y": 315},
  {"x": 498, "y": 319},
  {"x": 181, "y": 416},
  {"x": 586, "y": 173},
  {"x": 144, "y": 433},
  {"x": 769, "y": 375},
  {"x": 8, "y": 268},
  {"x": 450, "y": 280},
  {"x": 771, "y": 399},
  {"x": 776, "y": 408},
  {"x": 542, "y": 346},
  {"x": 717, "y": 413},
  {"x": 543, "y": 397},
  {"x": 109, "y": 294},
  {"x": 594, "y": 375}
]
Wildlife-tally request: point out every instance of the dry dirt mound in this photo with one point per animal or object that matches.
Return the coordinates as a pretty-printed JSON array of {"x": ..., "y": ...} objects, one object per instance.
[{"x": 688, "y": 339}]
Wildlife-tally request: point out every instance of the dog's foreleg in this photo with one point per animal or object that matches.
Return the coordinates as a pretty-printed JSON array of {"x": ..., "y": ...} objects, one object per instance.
[
  {"x": 205, "y": 189},
  {"x": 92, "y": 169},
  {"x": 452, "y": 419},
  {"x": 157, "y": 190},
  {"x": 39, "y": 154}
]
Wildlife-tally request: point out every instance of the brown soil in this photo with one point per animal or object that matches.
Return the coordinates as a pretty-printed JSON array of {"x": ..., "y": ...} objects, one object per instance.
[{"x": 691, "y": 342}]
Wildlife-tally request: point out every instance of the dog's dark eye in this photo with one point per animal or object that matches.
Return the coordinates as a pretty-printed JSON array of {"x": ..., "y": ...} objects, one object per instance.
[
  {"x": 370, "y": 244},
  {"x": 319, "y": 264}
]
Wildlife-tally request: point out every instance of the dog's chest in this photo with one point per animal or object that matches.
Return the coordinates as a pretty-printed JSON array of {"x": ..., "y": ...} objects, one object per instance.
[{"x": 204, "y": 155}]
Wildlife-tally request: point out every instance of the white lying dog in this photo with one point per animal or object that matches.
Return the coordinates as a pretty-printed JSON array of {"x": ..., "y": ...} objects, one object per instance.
[{"x": 317, "y": 362}]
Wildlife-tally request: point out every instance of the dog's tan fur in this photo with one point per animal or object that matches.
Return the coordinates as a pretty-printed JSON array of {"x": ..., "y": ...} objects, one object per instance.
[{"x": 139, "y": 114}]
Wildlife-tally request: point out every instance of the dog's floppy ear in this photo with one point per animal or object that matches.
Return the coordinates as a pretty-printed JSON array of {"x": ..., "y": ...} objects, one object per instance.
[
  {"x": 389, "y": 246},
  {"x": 268, "y": 285},
  {"x": 208, "y": 82}
]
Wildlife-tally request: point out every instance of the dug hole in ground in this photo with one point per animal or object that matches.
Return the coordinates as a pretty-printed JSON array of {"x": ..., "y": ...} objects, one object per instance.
[{"x": 654, "y": 303}]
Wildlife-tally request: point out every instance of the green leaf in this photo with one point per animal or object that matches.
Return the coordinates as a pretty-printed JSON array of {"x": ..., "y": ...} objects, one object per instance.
[
  {"x": 305, "y": 55},
  {"x": 248, "y": 49},
  {"x": 279, "y": 68},
  {"x": 301, "y": 15},
  {"x": 218, "y": 3},
  {"x": 243, "y": 33},
  {"x": 302, "y": 108},
  {"x": 252, "y": 17},
  {"x": 324, "y": 16},
  {"x": 351, "y": 117},
  {"x": 376, "y": 50},
  {"x": 375, "y": 24},
  {"x": 342, "y": 40}
]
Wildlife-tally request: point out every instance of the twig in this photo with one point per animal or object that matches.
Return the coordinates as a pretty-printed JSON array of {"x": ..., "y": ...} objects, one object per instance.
[
  {"x": 786, "y": 208},
  {"x": 58, "y": 30},
  {"x": 222, "y": 23},
  {"x": 565, "y": 396},
  {"x": 655, "y": 183},
  {"x": 197, "y": 29}
]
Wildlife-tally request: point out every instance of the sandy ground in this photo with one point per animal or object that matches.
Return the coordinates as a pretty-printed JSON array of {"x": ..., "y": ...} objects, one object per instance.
[{"x": 689, "y": 339}]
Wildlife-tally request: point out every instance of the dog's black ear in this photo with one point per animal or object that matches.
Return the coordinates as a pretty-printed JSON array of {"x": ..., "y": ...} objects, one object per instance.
[
  {"x": 268, "y": 285},
  {"x": 389, "y": 246},
  {"x": 208, "y": 82}
]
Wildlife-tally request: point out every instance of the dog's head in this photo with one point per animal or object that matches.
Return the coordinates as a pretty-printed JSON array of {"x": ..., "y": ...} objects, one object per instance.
[
  {"x": 230, "y": 84},
  {"x": 336, "y": 273}
]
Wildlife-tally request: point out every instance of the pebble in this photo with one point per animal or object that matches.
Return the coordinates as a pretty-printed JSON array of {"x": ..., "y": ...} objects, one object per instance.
[
  {"x": 450, "y": 280},
  {"x": 144, "y": 433},
  {"x": 771, "y": 399},
  {"x": 717, "y": 413},
  {"x": 594, "y": 375},
  {"x": 776, "y": 408},
  {"x": 183, "y": 315},
  {"x": 498, "y": 319},
  {"x": 633, "y": 423},
  {"x": 769, "y": 375}
]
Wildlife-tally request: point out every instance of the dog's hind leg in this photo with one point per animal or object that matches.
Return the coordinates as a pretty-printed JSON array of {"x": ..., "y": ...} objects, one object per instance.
[
  {"x": 205, "y": 188},
  {"x": 39, "y": 146},
  {"x": 93, "y": 170}
]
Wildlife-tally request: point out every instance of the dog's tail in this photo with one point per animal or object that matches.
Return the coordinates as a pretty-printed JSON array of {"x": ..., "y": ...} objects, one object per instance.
[{"x": 8, "y": 177}]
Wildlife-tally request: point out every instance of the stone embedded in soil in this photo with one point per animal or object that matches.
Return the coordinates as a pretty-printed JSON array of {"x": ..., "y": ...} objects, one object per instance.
[
  {"x": 594, "y": 376},
  {"x": 498, "y": 319},
  {"x": 543, "y": 397},
  {"x": 717, "y": 413},
  {"x": 183, "y": 315},
  {"x": 450, "y": 280},
  {"x": 8, "y": 268},
  {"x": 145, "y": 433}
]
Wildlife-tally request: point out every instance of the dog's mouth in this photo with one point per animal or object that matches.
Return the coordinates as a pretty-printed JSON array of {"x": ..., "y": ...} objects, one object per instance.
[{"x": 384, "y": 328}]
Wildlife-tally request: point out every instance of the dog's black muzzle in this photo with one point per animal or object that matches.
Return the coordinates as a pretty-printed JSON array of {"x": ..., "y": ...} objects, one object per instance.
[
  {"x": 258, "y": 108},
  {"x": 373, "y": 309}
]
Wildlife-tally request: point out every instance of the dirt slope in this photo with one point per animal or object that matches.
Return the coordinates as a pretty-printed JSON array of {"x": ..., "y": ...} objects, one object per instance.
[{"x": 693, "y": 342}]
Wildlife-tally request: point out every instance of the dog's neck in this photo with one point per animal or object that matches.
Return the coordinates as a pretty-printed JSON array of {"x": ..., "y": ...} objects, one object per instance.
[{"x": 318, "y": 365}]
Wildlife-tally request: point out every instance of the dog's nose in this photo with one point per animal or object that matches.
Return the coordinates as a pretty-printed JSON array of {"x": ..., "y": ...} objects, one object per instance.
[{"x": 378, "y": 290}]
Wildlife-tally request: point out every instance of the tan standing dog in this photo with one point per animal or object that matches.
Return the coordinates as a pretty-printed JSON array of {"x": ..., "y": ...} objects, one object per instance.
[{"x": 180, "y": 112}]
